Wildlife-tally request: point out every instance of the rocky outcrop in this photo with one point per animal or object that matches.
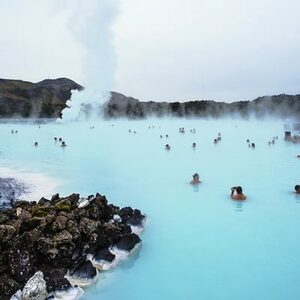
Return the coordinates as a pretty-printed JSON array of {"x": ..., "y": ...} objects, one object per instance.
[
  {"x": 282, "y": 106},
  {"x": 35, "y": 288},
  {"x": 44, "y": 246},
  {"x": 45, "y": 99}
]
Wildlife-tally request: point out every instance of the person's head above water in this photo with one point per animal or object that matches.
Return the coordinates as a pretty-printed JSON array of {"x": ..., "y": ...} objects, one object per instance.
[
  {"x": 195, "y": 179},
  {"x": 297, "y": 188},
  {"x": 239, "y": 190},
  {"x": 238, "y": 195}
]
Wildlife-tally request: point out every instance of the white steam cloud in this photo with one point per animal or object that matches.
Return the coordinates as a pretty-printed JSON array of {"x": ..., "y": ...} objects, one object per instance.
[{"x": 91, "y": 23}]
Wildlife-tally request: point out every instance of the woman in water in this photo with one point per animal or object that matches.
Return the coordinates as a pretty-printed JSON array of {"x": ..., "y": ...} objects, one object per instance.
[
  {"x": 196, "y": 179},
  {"x": 237, "y": 193},
  {"x": 297, "y": 189}
]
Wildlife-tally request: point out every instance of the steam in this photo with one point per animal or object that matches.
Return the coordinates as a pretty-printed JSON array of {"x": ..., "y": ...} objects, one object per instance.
[{"x": 91, "y": 24}]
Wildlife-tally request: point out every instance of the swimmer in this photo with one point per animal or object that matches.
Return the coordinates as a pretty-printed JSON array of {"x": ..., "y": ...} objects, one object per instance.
[
  {"x": 194, "y": 145},
  {"x": 36, "y": 144},
  {"x": 167, "y": 136},
  {"x": 237, "y": 193},
  {"x": 167, "y": 147},
  {"x": 129, "y": 130},
  {"x": 248, "y": 141},
  {"x": 219, "y": 134},
  {"x": 12, "y": 132},
  {"x": 134, "y": 132},
  {"x": 161, "y": 136},
  {"x": 55, "y": 139},
  {"x": 16, "y": 131},
  {"x": 215, "y": 141},
  {"x": 60, "y": 139},
  {"x": 195, "y": 179},
  {"x": 63, "y": 144},
  {"x": 253, "y": 145},
  {"x": 219, "y": 139},
  {"x": 298, "y": 156},
  {"x": 297, "y": 189}
]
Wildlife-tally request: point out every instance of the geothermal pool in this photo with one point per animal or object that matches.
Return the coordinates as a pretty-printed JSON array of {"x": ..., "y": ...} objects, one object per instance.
[{"x": 198, "y": 243}]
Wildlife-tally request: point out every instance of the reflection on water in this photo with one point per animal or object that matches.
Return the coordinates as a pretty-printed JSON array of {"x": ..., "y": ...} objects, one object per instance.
[
  {"x": 132, "y": 258},
  {"x": 239, "y": 205},
  {"x": 196, "y": 188}
]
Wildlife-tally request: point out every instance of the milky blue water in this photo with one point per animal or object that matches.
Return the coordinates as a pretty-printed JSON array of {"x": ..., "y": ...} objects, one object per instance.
[{"x": 198, "y": 243}]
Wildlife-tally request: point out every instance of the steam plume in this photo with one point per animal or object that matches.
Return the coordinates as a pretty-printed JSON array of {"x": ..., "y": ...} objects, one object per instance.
[{"x": 91, "y": 23}]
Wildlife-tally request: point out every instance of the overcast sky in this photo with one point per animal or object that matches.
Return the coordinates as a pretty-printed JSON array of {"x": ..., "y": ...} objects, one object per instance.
[{"x": 163, "y": 49}]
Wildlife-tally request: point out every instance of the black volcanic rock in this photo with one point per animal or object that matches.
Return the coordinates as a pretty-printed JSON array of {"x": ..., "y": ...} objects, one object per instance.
[
  {"x": 128, "y": 242},
  {"x": 45, "y": 99},
  {"x": 104, "y": 254},
  {"x": 56, "y": 237}
]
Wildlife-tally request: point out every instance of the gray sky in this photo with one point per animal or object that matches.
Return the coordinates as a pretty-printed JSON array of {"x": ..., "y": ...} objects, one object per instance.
[{"x": 163, "y": 49}]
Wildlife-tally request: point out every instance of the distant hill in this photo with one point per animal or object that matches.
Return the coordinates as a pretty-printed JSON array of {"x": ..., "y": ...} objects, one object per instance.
[
  {"x": 47, "y": 99},
  {"x": 282, "y": 106}
]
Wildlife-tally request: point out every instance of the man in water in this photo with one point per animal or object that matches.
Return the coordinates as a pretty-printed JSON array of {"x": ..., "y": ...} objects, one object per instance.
[
  {"x": 196, "y": 179},
  {"x": 237, "y": 193},
  {"x": 297, "y": 189}
]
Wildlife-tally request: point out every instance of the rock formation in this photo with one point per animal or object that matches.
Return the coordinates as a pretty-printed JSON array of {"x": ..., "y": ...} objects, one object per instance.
[
  {"x": 45, "y": 99},
  {"x": 52, "y": 240}
]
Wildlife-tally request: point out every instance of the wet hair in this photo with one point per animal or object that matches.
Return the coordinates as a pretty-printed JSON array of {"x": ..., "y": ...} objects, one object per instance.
[
  {"x": 195, "y": 175},
  {"x": 239, "y": 190},
  {"x": 297, "y": 187}
]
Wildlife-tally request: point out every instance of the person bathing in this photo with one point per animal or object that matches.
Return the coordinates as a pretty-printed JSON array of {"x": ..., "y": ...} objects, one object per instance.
[
  {"x": 237, "y": 193},
  {"x": 196, "y": 179}
]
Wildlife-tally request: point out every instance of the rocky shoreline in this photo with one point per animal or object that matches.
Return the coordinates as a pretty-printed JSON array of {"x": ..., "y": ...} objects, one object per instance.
[{"x": 53, "y": 248}]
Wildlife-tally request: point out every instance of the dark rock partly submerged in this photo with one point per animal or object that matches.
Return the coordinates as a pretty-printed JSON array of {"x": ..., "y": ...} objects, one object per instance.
[{"x": 56, "y": 237}]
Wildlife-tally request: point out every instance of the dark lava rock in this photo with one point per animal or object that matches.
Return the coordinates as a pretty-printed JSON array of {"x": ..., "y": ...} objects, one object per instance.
[
  {"x": 59, "y": 223},
  {"x": 55, "y": 237},
  {"x": 8, "y": 286},
  {"x": 125, "y": 213},
  {"x": 22, "y": 257},
  {"x": 6, "y": 232},
  {"x": 63, "y": 237},
  {"x": 128, "y": 241},
  {"x": 88, "y": 226},
  {"x": 85, "y": 271},
  {"x": 136, "y": 219},
  {"x": 105, "y": 254}
]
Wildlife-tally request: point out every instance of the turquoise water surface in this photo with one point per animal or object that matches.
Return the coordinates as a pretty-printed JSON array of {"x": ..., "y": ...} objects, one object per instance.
[{"x": 198, "y": 243}]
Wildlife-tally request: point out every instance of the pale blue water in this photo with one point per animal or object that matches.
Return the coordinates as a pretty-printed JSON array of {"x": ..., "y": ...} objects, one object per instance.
[{"x": 198, "y": 244}]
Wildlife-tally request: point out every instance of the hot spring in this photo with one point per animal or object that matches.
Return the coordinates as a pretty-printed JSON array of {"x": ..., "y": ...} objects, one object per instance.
[{"x": 198, "y": 243}]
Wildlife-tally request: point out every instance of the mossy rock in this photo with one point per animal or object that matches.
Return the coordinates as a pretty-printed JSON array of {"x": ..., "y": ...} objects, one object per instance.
[
  {"x": 38, "y": 211},
  {"x": 63, "y": 207}
]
